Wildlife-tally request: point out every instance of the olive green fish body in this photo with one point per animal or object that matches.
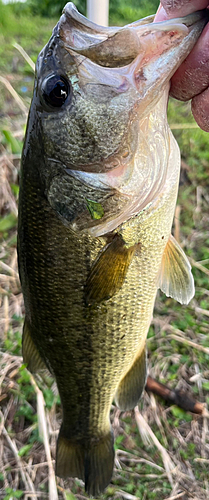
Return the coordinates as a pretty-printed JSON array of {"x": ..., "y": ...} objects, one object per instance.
[
  {"x": 89, "y": 349},
  {"x": 94, "y": 240}
]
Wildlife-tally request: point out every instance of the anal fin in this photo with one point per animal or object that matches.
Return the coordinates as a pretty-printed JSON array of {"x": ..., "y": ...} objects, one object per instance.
[
  {"x": 92, "y": 461},
  {"x": 131, "y": 386},
  {"x": 31, "y": 356},
  {"x": 176, "y": 279},
  {"x": 109, "y": 270}
]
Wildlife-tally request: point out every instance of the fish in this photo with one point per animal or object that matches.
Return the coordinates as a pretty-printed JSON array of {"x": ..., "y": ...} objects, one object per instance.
[{"x": 98, "y": 188}]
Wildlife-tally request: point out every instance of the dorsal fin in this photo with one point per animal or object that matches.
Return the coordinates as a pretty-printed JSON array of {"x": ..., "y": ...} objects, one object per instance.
[{"x": 176, "y": 279}]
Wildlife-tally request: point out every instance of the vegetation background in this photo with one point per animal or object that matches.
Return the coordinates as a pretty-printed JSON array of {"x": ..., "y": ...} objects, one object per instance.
[{"x": 162, "y": 452}]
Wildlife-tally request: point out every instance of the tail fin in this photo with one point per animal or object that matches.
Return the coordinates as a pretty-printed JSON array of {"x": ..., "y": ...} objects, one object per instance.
[{"x": 92, "y": 461}]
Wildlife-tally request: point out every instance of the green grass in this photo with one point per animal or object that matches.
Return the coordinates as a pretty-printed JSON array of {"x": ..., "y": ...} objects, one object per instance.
[{"x": 18, "y": 26}]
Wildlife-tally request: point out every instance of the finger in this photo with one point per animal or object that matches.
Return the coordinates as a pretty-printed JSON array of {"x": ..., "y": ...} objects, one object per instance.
[
  {"x": 180, "y": 8},
  {"x": 200, "y": 110},
  {"x": 169, "y": 9},
  {"x": 193, "y": 75}
]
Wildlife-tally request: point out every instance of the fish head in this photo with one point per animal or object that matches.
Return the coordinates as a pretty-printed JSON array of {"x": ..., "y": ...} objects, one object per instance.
[{"x": 94, "y": 87}]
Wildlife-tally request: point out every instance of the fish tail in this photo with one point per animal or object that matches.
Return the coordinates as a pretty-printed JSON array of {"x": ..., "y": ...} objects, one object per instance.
[
  {"x": 92, "y": 461},
  {"x": 69, "y": 457}
]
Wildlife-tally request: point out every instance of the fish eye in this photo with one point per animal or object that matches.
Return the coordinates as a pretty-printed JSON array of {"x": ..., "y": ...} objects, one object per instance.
[{"x": 55, "y": 90}]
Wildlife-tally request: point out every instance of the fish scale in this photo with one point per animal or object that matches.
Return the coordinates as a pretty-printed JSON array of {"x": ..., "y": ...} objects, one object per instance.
[{"x": 94, "y": 241}]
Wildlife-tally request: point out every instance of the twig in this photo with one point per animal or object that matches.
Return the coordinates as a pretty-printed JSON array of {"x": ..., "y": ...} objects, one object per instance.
[
  {"x": 31, "y": 485},
  {"x": 9, "y": 269},
  {"x": 189, "y": 342},
  {"x": 6, "y": 278},
  {"x": 199, "y": 310},
  {"x": 201, "y": 460},
  {"x": 176, "y": 496},
  {"x": 53, "y": 495},
  {"x": 180, "y": 337},
  {"x": 179, "y": 398},
  {"x": 6, "y": 315},
  {"x": 14, "y": 449},
  {"x": 204, "y": 437},
  {"x": 125, "y": 495},
  {"x": 166, "y": 327},
  {"x": 138, "y": 461},
  {"x": 199, "y": 266},
  {"x": 32, "y": 466},
  {"x": 8, "y": 366}
]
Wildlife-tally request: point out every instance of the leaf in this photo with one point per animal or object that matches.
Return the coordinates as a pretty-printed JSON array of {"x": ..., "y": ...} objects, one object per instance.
[
  {"x": 24, "y": 450},
  {"x": 69, "y": 496},
  {"x": 12, "y": 494},
  {"x": 118, "y": 441},
  {"x": 179, "y": 413},
  {"x": 15, "y": 189},
  {"x": 206, "y": 386},
  {"x": 22, "y": 367},
  {"x": 8, "y": 222},
  {"x": 95, "y": 209},
  {"x": 16, "y": 146},
  {"x": 18, "y": 494}
]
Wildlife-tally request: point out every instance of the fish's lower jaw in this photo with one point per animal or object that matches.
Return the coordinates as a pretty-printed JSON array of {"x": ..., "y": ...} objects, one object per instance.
[{"x": 92, "y": 461}]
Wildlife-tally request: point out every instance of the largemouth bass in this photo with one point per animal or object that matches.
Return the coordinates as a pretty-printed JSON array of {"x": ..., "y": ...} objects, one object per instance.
[{"x": 99, "y": 181}]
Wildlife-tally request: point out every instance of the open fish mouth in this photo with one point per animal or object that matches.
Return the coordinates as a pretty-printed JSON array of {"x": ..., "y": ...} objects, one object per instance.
[
  {"x": 137, "y": 62},
  {"x": 114, "y": 138},
  {"x": 119, "y": 46}
]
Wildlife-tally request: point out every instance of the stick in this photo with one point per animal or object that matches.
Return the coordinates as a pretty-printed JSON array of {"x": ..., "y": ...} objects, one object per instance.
[
  {"x": 199, "y": 266},
  {"x": 179, "y": 398},
  {"x": 14, "y": 449},
  {"x": 179, "y": 495},
  {"x": 189, "y": 342}
]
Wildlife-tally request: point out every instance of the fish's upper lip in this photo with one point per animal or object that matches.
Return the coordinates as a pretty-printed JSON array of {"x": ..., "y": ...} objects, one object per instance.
[
  {"x": 71, "y": 13},
  {"x": 126, "y": 57},
  {"x": 119, "y": 46}
]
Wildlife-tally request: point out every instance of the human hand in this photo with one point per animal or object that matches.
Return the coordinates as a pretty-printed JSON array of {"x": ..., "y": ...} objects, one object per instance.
[{"x": 191, "y": 80}]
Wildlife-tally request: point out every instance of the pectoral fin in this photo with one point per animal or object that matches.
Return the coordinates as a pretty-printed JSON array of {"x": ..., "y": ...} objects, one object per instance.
[
  {"x": 31, "y": 355},
  {"x": 108, "y": 271},
  {"x": 176, "y": 279},
  {"x": 132, "y": 385}
]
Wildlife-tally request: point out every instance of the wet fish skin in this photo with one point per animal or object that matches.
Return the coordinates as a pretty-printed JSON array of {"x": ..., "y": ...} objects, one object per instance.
[{"x": 89, "y": 285}]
